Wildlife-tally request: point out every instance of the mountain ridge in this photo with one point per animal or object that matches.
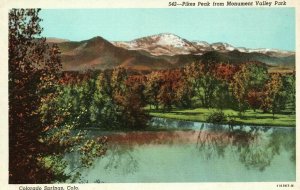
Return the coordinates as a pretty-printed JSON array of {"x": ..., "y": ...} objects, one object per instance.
[
  {"x": 162, "y": 51},
  {"x": 198, "y": 47}
]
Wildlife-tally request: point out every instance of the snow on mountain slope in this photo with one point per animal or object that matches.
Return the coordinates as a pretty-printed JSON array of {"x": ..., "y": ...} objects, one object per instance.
[
  {"x": 272, "y": 52},
  {"x": 219, "y": 46},
  {"x": 171, "y": 44},
  {"x": 160, "y": 44}
]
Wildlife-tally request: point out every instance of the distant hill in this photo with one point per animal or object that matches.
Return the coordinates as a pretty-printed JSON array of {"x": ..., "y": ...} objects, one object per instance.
[
  {"x": 98, "y": 53},
  {"x": 163, "y": 51}
]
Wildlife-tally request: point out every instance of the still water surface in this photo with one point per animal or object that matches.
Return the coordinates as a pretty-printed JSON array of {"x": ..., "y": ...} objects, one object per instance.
[{"x": 195, "y": 152}]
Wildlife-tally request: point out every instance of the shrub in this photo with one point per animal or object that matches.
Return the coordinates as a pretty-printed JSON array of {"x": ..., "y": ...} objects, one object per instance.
[{"x": 217, "y": 117}]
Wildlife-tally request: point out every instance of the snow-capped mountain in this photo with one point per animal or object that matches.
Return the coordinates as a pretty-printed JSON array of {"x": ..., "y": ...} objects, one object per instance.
[
  {"x": 171, "y": 44},
  {"x": 159, "y": 52},
  {"x": 160, "y": 44}
]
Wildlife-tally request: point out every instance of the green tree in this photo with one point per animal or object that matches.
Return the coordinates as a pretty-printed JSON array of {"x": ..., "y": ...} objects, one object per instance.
[
  {"x": 289, "y": 88},
  {"x": 222, "y": 97},
  {"x": 203, "y": 81},
  {"x": 109, "y": 112}
]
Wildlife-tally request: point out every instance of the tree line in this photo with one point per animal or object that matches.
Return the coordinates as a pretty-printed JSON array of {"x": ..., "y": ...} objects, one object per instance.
[{"x": 117, "y": 98}]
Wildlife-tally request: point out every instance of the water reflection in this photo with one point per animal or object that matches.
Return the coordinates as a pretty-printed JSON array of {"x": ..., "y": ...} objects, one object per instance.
[
  {"x": 121, "y": 157},
  {"x": 181, "y": 155},
  {"x": 256, "y": 146}
]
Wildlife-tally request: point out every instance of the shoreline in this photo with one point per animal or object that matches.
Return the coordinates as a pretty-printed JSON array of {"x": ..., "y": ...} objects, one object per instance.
[{"x": 200, "y": 115}]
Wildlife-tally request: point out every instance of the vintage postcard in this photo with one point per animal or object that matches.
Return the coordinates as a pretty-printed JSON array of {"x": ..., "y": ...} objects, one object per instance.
[{"x": 149, "y": 95}]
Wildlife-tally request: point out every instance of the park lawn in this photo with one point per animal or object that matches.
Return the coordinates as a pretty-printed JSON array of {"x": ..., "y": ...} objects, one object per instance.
[{"x": 249, "y": 117}]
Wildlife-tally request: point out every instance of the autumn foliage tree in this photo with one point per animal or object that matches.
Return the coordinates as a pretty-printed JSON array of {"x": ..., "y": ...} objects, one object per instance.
[
  {"x": 170, "y": 83},
  {"x": 250, "y": 76},
  {"x": 184, "y": 91},
  {"x": 254, "y": 99},
  {"x": 40, "y": 130},
  {"x": 134, "y": 115},
  {"x": 225, "y": 71},
  {"x": 32, "y": 64},
  {"x": 273, "y": 96},
  {"x": 153, "y": 83},
  {"x": 127, "y": 94}
]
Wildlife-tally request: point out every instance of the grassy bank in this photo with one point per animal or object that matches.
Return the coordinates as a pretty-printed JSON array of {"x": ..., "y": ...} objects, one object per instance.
[{"x": 249, "y": 117}]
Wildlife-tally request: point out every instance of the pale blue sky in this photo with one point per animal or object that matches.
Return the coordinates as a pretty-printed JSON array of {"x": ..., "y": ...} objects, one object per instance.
[{"x": 242, "y": 27}]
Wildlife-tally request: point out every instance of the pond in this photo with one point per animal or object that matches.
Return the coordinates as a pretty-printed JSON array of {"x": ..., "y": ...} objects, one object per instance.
[{"x": 195, "y": 152}]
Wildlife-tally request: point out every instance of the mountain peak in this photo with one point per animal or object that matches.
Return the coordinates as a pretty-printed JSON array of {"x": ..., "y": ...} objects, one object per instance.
[
  {"x": 170, "y": 40},
  {"x": 97, "y": 38},
  {"x": 97, "y": 41}
]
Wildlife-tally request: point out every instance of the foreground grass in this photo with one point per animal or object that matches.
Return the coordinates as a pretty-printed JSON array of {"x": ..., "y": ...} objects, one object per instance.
[{"x": 249, "y": 117}]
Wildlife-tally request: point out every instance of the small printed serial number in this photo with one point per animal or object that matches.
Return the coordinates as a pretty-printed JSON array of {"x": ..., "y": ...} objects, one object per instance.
[
  {"x": 174, "y": 4},
  {"x": 183, "y": 4},
  {"x": 284, "y": 185}
]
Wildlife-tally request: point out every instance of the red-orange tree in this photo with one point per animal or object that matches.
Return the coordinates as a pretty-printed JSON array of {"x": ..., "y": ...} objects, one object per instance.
[
  {"x": 134, "y": 115},
  {"x": 170, "y": 84},
  {"x": 254, "y": 99}
]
